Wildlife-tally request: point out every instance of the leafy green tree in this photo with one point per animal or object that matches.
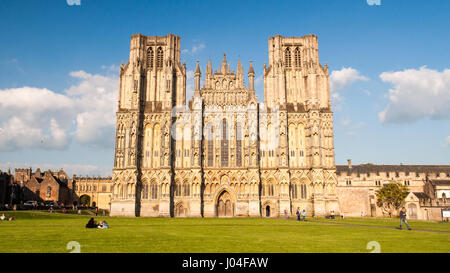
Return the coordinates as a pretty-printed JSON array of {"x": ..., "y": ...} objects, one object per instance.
[{"x": 391, "y": 196}]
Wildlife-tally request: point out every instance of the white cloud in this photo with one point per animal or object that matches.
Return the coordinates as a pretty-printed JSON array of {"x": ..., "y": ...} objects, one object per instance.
[
  {"x": 195, "y": 48},
  {"x": 346, "y": 122},
  {"x": 447, "y": 141},
  {"x": 416, "y": 94},
  {"x": 40, "y": 118},
  {"x": 341, "y": 79},
  {"x": 73, "y": 2},
  {"x": 33, "y": 118},
  {"x": 190, "y": 85},
  {"x": 95, "y": 98}
]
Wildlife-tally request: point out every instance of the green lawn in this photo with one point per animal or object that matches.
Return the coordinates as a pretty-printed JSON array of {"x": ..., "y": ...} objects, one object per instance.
[{"x": 44, "y": 232}]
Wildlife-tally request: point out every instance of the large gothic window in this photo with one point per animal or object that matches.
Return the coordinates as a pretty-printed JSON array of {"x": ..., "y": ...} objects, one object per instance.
[
  {"x": 287, "y": 57},
  {"x": 159, "y": 58},
  {"x": 153, "y": 191},
  {"x": 224, "y": 144},
  {"x": 178, "y": 189},
  {"x": 211, "y": 147},
  {"x": 186, "y": 189},
  {"x": 297, "y": 57},
  {"x": 145, "y": 191},
  {"x": 303, "y": 191},
  {"x": 150, "y": 56},
  {"x": 238, "y": 145},
  {"x": 294, "y": 191}
]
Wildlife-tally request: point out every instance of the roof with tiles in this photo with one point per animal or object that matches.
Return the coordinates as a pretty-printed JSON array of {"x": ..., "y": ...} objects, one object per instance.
[{"x": 371, "y": 168}]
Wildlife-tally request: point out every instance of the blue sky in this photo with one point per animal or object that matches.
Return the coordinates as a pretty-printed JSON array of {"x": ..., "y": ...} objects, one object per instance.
[{"x": 75, "y": 51}]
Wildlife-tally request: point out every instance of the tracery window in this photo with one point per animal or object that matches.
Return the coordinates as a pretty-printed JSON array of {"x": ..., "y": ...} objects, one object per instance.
[
  {"x": 303, "y": 191},
  {"x": 211, "y": 147},
  {"x": 238, "y": 145},
  {"x": 153, "y": 191},
  {"x": 297, "y": 57},
  {"x": 150, "y": 56},
  {"x": 159, "y": 58},
  {"x": 145, "y": 191},
  {"x": 224, "y": 144},
  {"x": 287, "y": 57}
]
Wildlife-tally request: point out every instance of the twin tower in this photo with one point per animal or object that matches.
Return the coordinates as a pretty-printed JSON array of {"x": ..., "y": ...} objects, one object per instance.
[{"x": 225, "y": 154}]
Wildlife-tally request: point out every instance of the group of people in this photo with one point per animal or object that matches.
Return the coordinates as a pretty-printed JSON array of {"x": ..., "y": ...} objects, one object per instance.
[
  {"x": 93, "y": 224},
  {"x": 4, "y": 218},
  {"x": 301, "y": 215}
]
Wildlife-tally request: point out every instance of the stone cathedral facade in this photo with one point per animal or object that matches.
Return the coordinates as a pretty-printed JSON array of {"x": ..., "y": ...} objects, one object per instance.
[{"x": 225, "y": 154}]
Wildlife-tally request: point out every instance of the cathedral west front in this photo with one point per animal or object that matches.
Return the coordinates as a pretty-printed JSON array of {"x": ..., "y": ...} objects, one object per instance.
[{"x": 225, "y": 154}]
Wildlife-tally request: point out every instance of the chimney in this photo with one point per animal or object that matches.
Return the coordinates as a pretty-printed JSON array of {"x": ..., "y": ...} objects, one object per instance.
[{"x": 349, "y": 161}]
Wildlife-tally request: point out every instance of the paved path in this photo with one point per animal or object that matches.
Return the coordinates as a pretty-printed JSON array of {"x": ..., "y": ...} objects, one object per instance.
[{"x": 360, "y": 225}]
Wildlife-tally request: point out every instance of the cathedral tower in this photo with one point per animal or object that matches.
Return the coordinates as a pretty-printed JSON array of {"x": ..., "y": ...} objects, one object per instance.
[
  {"x": 298, "y": 85},
  {"x": 151, "y": 84}
]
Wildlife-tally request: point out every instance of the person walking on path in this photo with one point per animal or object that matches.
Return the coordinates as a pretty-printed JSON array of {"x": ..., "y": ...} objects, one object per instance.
[
  {"x": 304, "y": 215},
  {"x": 298, "y": 214},
  {"x": 403, "y": 218}
]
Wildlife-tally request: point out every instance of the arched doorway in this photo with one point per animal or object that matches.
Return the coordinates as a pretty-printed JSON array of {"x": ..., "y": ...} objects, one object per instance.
[
  {"x": 267, "y": 211},
  {"x": 85, "y": 200},
  {"x": 412, "y": 211},
  {"x": 224, "y": 205}
]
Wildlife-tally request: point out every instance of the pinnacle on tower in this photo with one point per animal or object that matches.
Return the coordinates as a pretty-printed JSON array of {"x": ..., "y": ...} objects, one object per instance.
[
  {"x": 197, "y": 69},
  {"x": 224, "y": 64},
  {"x": 251, "y": 71}
]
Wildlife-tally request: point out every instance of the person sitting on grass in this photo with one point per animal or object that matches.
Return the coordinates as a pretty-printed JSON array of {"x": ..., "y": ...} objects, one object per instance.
[
  {"x": 91, "y": 224},
  {"x": 103, "y": 225},
  {"x": 3, "y": 217}
]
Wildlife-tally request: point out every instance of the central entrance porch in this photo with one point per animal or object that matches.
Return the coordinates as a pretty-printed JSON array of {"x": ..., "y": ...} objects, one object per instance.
[{"x": 224, "y": 206}]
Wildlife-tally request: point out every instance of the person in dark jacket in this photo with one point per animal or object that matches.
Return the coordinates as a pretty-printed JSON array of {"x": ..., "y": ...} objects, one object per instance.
[
  {"x": 403, "y": 218},
  {"x": 298, "y": 214},
  {"x": 91, "y": 224}
]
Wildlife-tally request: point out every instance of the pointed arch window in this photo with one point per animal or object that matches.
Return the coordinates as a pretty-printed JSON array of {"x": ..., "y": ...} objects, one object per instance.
[
  {"x": 210, "y": 147},
  {"x": 150, "y": 56},
  {"x": 287, "y": 57},
  {"x": 294, "y": 191},
  {"x": 153, "y": 190},
  {"x": 297, "y": 57},
  {"x": 238, "y": 145},
  {"x": 224, "y": 144},
  {"x": 159, "y": 58},
  {"x": 303, "y": 191},
  {"x": 145, "y": 191}
]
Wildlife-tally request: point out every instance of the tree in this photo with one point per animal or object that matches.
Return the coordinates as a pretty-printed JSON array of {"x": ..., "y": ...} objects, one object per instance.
[{"x": 391, "y": 196}]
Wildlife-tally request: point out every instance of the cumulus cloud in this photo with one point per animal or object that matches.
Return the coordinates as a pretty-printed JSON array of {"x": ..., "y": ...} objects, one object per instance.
[
  {"x": 341, "y": 79},
  {"x": 33, "y": 117},
  {"x": 416, "y": 94},
  {"x": 195, "y": 48},
  {"x": 95, "y": 99}
]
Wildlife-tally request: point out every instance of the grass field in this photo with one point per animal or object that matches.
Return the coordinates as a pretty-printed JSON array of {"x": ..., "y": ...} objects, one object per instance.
[{"x": 45, "y": 232}]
